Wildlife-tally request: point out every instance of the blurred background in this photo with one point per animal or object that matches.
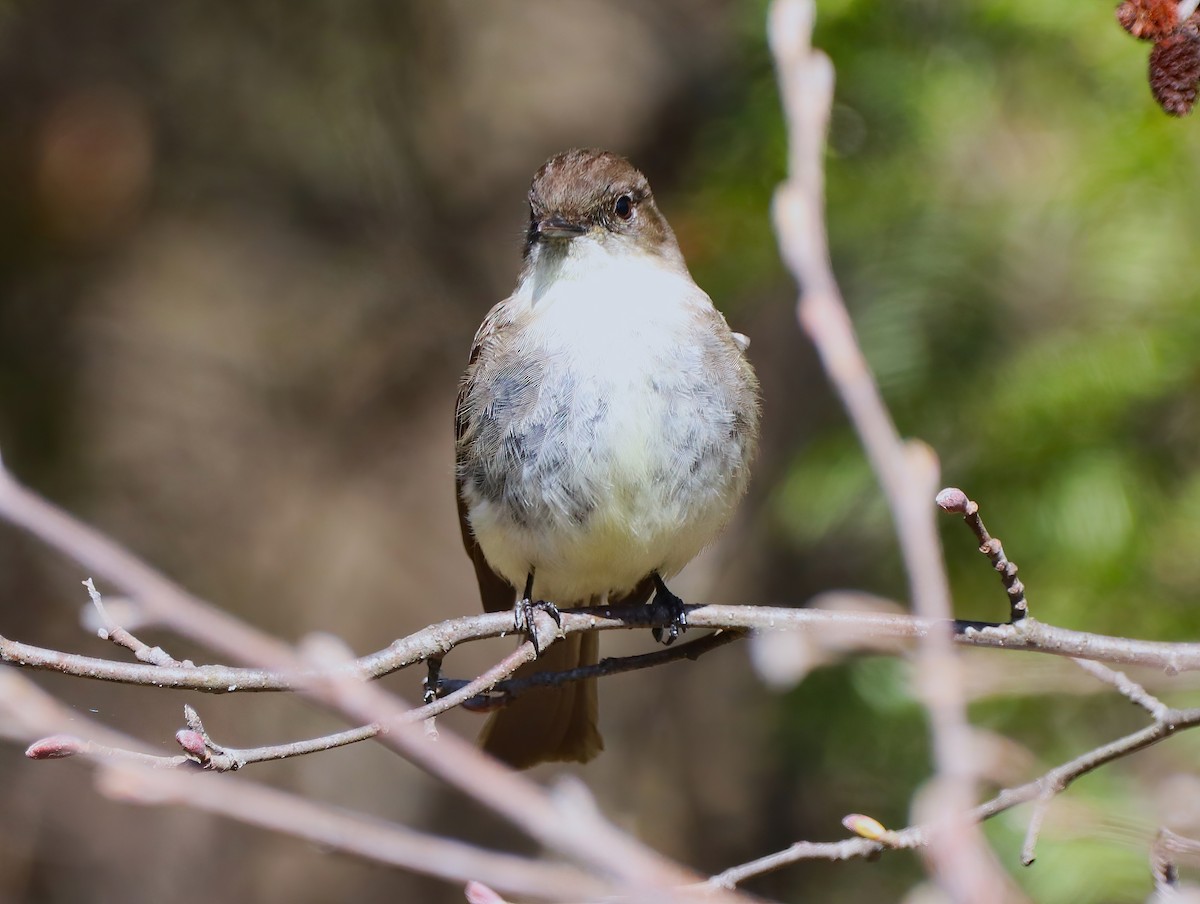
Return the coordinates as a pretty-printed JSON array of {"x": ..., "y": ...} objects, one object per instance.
[{"x": 243, "y": 250}]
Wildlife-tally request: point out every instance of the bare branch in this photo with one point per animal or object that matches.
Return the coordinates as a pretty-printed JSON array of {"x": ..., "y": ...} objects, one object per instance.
[
  {"x": 130, "y": 773},
  {"x": 955, "y": 501},
  {"x": 833, "y": 630},
  {"x": 576, "y": 831},
  {"x": 960, "y": 859},
  {"x": 1045, "y": 787},
  {"x": 504, "y": 691},
  {"x": 361, "y": 836},
  {"x": 838, "y": 628},
  {"x": 565, "y": 821},
  {"x": 849, "y": 849},
  {"x": 110, "y": 630},
  {"x": 61, "y": 746},
  {"x": 201, "y": 749},
  {"x": 163, "y": 600},
  {"x": 204, "y": 751},
  {"x": 1126, "y": 687}
]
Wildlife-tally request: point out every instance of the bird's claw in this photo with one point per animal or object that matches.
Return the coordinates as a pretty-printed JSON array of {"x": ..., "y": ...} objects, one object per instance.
[
  {"x": 523, "y": 617},
  {"x": 673, "y": 607}
]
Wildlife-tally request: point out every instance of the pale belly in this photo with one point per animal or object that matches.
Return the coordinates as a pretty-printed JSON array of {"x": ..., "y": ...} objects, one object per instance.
[{"x": 612, "y": 475}]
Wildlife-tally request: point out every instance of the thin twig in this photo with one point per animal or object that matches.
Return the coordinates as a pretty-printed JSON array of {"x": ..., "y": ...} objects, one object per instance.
[
  {"x": 847, "y": 849},
  {"x": 220, "y": 758},
  {"x": 125, "y": 775},
  {"x": 1033, "y": 829},
  {"x": 955, "y": 501},
  {"x": 202, "y": 750},
  {"x": 1126, "y": 687},
  {"x": 1047, "y": 785},
  {"x": 61, "y": 746},
  {"x": 163, "y": 600},
  {"x": 568, "y": 824},
  {"x": 1057, "y": 780},
  {"x": 110, "y": 630},
  {"x": 509, "y": 689},
  {"x": 132, "y": 773}
]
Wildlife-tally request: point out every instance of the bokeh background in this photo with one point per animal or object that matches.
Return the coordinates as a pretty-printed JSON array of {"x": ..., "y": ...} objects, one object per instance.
[{"x": 243, "y": 249}]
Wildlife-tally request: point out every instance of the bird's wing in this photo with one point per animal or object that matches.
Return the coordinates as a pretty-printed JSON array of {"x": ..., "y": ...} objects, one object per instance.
[{"x": 496, "y": 593}]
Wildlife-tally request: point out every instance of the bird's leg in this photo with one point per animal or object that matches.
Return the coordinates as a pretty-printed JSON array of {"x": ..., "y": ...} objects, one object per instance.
[
  {"x": 526, "y": 607},
  {"x": 433, "y": 678},
  {"x": 673, "y": 606}
]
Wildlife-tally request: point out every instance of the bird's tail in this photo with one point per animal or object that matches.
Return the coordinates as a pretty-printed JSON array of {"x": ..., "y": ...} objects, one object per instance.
[{"x": 550, "y": 723}]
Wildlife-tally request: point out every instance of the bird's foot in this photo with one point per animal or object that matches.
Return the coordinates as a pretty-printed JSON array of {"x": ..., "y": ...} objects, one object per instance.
[
  {"x": 433, "y": 679},
  {"x": 674, "y": 608},
  {"x": 523, "y": 617}
]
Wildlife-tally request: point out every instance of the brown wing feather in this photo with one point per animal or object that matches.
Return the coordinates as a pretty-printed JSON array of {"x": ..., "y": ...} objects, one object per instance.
[{"x": 497, "y": 594}]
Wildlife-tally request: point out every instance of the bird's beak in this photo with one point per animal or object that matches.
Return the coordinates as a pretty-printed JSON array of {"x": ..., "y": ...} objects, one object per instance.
[{"x": 556, "y": 227}]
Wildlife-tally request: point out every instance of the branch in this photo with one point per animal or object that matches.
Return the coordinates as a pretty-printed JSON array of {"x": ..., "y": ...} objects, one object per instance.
[
  {"x": 569, "y": 824},
  {"x": 110, "y": 630},
  {"x": 837, "y": 628},
  {"x": 510, "y": 689},
  {"x": 959, "y": 859},
  {"x": 955, "y": 501},
  {"x": 129, "y": 773},
  {"x": 483, "y": 693},
  {"x": 1045, "y": 787},
  {"x": 1050, "y": 786},
  {"x": 566, "y": 820},
  {"x": 1126, "y": 687},
  {"x": 874, "y": 839},
  {"x": 163, "y": 600},
  {"x": 360, "y": 836},
  {"x": 840, "y": 630},
  {"x": 202, "y": 750}
]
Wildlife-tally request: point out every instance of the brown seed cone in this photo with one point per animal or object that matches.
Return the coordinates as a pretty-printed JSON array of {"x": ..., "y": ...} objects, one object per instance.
[{"x": 1175, "y": 69}]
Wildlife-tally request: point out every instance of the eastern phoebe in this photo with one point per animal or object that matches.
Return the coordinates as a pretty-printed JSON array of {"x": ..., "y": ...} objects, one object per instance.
[{"x": 605, "y": 426}]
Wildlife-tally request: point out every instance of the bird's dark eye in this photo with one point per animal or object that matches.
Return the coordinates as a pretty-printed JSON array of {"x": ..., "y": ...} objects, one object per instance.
[{"x": 624, "y": 207}]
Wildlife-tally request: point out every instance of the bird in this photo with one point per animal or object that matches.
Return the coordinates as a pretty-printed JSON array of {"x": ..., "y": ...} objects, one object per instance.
[{"x": 604, "y": 431}]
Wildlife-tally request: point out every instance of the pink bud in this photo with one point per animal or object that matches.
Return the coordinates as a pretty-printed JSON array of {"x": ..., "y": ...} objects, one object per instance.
[
  {"x": 952, "y": 499},
  {"x": 55, "y": 747},
  {"x": 191, "y": 741}
]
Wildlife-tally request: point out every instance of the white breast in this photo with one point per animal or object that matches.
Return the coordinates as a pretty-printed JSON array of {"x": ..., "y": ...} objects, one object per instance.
[{"x": 612, "y": 323}]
